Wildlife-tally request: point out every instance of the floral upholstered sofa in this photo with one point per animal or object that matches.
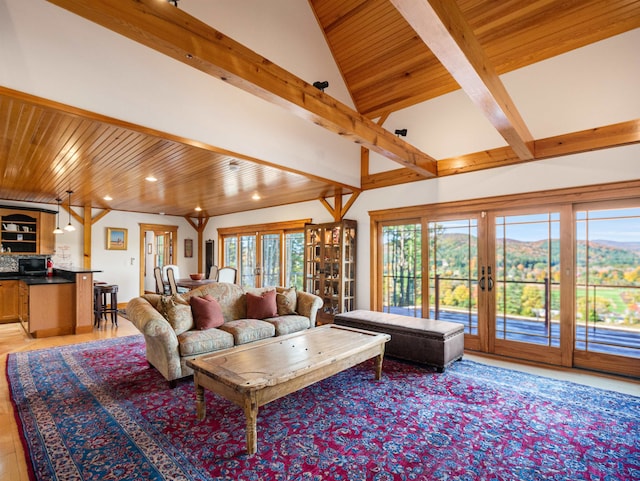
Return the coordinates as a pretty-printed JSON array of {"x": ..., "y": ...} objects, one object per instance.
[{"x": 175, "y": 328}]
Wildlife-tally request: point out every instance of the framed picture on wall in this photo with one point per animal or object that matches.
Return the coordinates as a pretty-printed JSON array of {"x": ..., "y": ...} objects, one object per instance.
[
  {"x": 116, "y": 239},
  {"x": 188, "y": 247}
]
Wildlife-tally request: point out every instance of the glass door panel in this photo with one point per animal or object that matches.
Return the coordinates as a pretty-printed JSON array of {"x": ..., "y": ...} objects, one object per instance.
[
  {"x": 453, "y": 272},
  {"x": 402, "y": 269},
  {"x": 270, "y": 261},
  {"x": 608, "y": 282},
  {"x": 248, "y": 262},
  {"x": 294, "y": 260},
  {"x": 230, "y": 254},
  {"x": 526, "y": 281}
]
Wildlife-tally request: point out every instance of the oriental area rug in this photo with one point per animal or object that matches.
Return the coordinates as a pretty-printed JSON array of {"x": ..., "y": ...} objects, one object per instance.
[{"x": 97, "y": 411}]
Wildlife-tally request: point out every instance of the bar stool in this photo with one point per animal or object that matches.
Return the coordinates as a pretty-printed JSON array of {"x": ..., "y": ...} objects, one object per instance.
[{"x": 105, "y": 301}]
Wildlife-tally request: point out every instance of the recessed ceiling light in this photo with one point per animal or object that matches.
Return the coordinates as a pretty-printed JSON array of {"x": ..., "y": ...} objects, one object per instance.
[
  {"x": 151, "y": 178},
  {"x": 107, "y": 197},
  {"x": 255, "y": 196},
  {"x": 198, "y": 209}
]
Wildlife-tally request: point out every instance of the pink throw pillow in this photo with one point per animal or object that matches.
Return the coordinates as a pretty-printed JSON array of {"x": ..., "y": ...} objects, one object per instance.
[
  {"x": 207, "y": 313},
  {"x": 261, "y": 306}
]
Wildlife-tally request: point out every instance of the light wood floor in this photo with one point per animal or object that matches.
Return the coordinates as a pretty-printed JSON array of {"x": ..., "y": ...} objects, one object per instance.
[{"x": 13, "y": 339}]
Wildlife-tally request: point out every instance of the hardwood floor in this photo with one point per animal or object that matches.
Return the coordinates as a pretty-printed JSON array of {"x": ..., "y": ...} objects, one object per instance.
[{"x": 13, "y": 339}]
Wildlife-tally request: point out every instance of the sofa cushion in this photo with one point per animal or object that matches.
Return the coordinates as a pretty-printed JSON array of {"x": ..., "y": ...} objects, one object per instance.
[
  {"x": 230, "y": 297},
  {"x": 193, "y": 343},
  {"x": 248, "y": 330},
  {"x": 286, "y": 300},
  {"x": 261, "y": 306},
  {"x": 288, "y": 324},
  {"x": 207, "y": 313},
  {"x": 165, "y": 302},
  {"x": 180, "y": 317}
]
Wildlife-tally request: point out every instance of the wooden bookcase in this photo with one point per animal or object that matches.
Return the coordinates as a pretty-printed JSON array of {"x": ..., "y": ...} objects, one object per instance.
[
  {"x": 25, "y": 231},
  {"x": 330, "y": 266}
]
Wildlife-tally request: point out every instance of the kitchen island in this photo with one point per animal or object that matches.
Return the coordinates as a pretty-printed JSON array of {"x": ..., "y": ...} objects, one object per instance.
[{"x": 49, "y": 306}]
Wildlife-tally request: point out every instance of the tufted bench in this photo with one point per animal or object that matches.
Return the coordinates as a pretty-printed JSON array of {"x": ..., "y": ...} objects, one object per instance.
[{"x": 436, "y": 343}]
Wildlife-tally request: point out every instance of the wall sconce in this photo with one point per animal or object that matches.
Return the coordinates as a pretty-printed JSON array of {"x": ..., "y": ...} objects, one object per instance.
[
  {"x": 58, "y": 230},
  {"x": 69, "y": 227},
  {"x": 401, "y": 132},
  {"x": 321, "y": 85},
  {"x": 234, "y": 166}
]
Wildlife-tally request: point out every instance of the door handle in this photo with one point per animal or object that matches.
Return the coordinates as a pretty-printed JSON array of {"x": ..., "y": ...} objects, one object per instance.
[{"x": 482, "y": 279}]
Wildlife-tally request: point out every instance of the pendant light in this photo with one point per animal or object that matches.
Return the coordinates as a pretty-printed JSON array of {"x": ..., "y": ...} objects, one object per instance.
[
  {"x": 58, "y": 230},
  {"x": 69, "y": 227}
]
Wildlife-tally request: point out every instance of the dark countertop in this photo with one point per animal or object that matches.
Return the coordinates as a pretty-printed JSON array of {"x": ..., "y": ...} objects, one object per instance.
[
  {"x": 75, "y": 270},
  {"x": 34, "y": 280}
]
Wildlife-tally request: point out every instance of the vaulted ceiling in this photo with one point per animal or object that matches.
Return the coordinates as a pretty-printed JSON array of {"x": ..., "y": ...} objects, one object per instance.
[{"x": 392, "y": 54}]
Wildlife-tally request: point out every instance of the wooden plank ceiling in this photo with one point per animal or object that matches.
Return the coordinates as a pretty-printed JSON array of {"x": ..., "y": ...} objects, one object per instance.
[
  {"x": 48, "y": 148},
  {"x": 388, "y": 63}
]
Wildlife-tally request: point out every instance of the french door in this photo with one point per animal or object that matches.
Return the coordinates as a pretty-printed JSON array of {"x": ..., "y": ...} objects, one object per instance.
[
  {"x": 529, "y": 284},
  {"x": 267, "y": 257},
  {"x": 551, "y": 277}
]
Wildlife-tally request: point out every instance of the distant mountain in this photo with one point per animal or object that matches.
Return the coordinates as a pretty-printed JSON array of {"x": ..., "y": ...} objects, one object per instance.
[
  {"x": 630, "y": 246},
  {"x": 454, "y": 248}
]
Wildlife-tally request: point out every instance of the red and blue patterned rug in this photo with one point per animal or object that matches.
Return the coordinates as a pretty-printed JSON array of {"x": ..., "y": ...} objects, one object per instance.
[{"x": 97, "y": 411}]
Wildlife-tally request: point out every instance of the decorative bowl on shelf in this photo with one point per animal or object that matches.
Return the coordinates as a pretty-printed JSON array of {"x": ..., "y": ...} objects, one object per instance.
[{"x": 196, "y": 277}]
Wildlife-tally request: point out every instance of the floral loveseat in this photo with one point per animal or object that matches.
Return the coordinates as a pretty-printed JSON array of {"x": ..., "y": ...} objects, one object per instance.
[{"x": 173, "y": 335}]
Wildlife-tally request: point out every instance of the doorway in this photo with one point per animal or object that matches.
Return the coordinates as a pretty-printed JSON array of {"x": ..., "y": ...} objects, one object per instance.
[{"x": 157, "y": 248}]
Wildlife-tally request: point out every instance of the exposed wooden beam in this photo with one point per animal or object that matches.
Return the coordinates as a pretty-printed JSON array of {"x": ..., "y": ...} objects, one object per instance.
[
  {"x": 199, "y": 227},
  {"x": 442, "y": 27},
  {"x": 175, "y": 33},
  {"x": 349, "y": 203},
  {"x": 598, "y": 138},
  {"x": 591, "y": 139}
]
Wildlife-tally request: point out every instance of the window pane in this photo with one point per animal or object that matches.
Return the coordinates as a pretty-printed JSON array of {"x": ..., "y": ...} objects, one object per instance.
[
  {"x": 402, "y": 269},
  {"x": 608, "y": 281},
  {"x": 271, "y": 260},
  {"x": 527, "y": 278},
  {"x": 453, "y": 272},
  {"x": 247, "y": 261},
  {"x": 230, "y": 252},
  {"x": 294, "y": 260}
]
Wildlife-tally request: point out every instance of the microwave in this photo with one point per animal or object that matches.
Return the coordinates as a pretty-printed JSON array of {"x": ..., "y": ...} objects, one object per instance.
[{"x": 32, "y": 266}]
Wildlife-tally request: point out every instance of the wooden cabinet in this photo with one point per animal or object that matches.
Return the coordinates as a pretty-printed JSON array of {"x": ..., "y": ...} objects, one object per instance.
[
  {"x": 330, "y": 266},
  {"x": 23, "y": 306},
  {"x": 24, "y": 231},
  {"x": 9, "y": 301},
  {"x": 48, "y": 309}
]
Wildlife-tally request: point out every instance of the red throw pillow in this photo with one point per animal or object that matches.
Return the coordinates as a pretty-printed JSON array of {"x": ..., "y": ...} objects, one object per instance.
[
  {"x": 262, "y": 306},
  {"x": 207, "y": 313}
]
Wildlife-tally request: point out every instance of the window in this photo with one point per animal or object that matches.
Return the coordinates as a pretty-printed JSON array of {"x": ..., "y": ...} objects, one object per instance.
[
  {"x": 608, "y": 281},
  {"x": 550, "y": 277},
  {"x": 266, "y": 254},
  {"x": 402, "y": 269}
]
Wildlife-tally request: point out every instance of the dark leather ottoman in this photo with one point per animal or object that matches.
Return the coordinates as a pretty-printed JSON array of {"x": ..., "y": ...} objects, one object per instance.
[{"x": 436, "y": 343}]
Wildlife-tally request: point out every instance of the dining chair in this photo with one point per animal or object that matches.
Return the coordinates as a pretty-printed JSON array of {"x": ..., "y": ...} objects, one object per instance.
[
  {"x": 227, "y": 274},
  {"x": 213, "y": 273},
  {"x": 176, "y": 272},
  {"x": 161, "y": 287},
  {"x": 173, "y": 287}
]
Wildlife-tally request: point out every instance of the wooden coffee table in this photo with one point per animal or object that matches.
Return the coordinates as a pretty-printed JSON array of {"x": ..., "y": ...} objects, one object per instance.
[{"x": 251, "y": 375}]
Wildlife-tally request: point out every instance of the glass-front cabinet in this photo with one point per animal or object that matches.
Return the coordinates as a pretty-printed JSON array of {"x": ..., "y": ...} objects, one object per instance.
[{"x": 330, "y": 266}]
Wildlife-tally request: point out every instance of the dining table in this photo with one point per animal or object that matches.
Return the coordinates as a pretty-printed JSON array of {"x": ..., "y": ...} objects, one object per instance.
[{"x": 189, "y": 283}]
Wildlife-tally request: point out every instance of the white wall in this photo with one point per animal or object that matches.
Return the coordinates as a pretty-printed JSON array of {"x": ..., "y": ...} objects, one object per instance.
[
  {"x": 122, "y": 267},
  {"x": 611, "y": 165}
]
